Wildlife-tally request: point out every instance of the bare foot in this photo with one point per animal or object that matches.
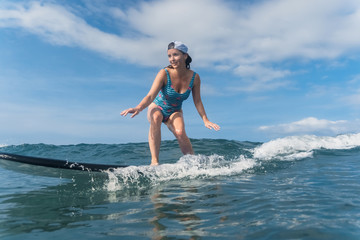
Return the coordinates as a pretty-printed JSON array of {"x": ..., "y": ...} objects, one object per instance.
[{"x": 154, "y": 164}]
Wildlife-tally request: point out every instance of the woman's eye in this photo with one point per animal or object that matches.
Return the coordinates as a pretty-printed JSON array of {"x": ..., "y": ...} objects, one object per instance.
[{"x": 173, "y": 55}]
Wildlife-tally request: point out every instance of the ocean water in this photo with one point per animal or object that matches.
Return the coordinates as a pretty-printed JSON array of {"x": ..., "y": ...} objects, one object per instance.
[{"x": 300, "y": 187}]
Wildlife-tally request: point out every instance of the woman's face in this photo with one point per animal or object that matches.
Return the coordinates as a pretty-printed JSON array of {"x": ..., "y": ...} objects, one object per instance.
[{"x": 176, "y": 58}]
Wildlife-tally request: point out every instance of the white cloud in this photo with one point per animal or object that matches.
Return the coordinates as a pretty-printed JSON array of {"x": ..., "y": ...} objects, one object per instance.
[
  {"x": 312, "y": 125},
  {"x": 248, "y": 38},
  {"x": 260, "y": 78},
  {"x": 260, "y": 72},
  {"x": 59, "y": 26}
]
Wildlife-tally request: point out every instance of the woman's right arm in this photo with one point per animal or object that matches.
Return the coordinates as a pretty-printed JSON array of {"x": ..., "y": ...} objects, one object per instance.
[{"x": 158, "y": 83}]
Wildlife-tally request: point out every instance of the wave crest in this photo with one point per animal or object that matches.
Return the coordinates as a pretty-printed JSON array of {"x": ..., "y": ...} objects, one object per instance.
[
  {"x": 299, "y": 147},
  {"x": 188, "y": 167}
]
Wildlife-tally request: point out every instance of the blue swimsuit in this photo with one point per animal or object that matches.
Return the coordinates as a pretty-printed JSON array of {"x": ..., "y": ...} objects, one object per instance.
[{"x": 170, "y": 101}]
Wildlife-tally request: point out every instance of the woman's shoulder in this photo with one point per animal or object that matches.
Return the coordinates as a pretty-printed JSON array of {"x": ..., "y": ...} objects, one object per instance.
[
  {"x": 162, "y": 72},
  {"x": 193, "y": 72},
  {"x": 161, "y": 76}
]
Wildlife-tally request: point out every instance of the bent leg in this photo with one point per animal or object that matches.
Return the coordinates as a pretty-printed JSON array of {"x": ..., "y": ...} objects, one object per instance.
[
  {"x": 155, "y": 118},
  {"x": 177, "y": 127}
]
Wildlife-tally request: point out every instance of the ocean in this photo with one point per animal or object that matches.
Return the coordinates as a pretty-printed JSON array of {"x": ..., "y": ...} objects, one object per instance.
[{"x": 298, "y": 187}]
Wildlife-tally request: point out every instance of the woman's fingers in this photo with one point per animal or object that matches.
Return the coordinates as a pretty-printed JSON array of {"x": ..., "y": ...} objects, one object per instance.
[
  {"x": 125, "y": 112},
  {"x": 216, "y": 127},
  {"x": 211, "y": 125},
  {"x": 135, "y": 112}
]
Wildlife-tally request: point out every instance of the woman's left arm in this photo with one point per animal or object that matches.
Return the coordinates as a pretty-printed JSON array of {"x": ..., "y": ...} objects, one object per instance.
[{"x": 199, "y": 105}]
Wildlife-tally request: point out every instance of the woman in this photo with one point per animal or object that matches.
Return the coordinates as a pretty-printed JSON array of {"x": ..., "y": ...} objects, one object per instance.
[{"x": 171, "y": 87}]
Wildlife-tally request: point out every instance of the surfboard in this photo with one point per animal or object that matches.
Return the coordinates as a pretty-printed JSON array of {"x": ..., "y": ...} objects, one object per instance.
[{"x": 47, "y": 166}]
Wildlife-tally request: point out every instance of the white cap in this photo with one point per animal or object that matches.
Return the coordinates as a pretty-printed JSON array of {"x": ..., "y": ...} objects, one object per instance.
[{"x": 180, "y": 46}]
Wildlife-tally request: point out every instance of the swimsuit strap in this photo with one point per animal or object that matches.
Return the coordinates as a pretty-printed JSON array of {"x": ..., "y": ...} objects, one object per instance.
[
  {"x": 192, "y": 81},
  {"x": 168, "y": 77}
]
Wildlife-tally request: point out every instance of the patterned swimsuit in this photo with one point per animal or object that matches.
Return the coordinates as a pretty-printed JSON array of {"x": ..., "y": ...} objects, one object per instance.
[{"x": 170, "y": 101}]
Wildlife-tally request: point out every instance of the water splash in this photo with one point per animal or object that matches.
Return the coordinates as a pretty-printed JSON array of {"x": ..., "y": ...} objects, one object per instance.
[
  {"x": 207, "y": 167},
  {"x": 186, "y": 168},
  {"x": 300, "y": 147}
]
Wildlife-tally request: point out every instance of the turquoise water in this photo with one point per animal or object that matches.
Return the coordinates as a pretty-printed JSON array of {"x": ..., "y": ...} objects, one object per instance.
[{"x": 301, "y": 187}]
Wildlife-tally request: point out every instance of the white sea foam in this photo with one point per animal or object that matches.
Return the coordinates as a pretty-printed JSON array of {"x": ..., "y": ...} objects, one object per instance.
[
  {"x": 202, "y": 167},
  {"x": 298, "y": 147},
  {"x": 188, "y": 167}
]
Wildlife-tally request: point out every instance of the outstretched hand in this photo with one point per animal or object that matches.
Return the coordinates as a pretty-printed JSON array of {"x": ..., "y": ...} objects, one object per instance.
[
  {"x": 134, "y": 111},
  {"x": 211, "y": 125}
]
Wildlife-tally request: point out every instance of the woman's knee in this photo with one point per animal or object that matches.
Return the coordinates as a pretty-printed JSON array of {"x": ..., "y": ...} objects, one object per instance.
[
  {"x": 180, "y": 133},
  {"x": 156, "y": 117},
  {"x": 154, "y": 114},
  {"x": 177, "y": 126}
]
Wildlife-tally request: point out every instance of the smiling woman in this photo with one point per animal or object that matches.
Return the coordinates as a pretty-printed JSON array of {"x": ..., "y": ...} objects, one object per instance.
[
  {"x": 183, "y": 49},
  {"x": 170, "y": 88}
]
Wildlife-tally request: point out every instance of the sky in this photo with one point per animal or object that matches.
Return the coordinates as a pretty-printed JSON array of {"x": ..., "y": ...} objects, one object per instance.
[{"x": 268, "y": 68}]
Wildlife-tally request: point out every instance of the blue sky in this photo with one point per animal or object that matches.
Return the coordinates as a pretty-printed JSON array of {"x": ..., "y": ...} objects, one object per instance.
[{"x": 269, "y": 69}]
